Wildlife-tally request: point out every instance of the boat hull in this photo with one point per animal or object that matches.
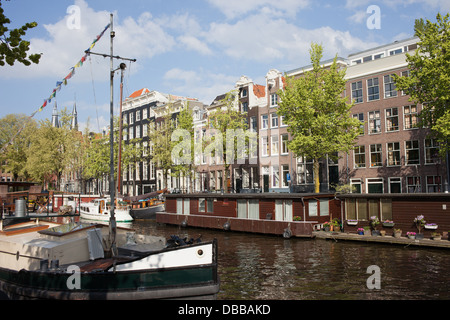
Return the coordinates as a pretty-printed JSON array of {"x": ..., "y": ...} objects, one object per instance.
[
  {"x": 121, "y": 217},
  {"x": 186, "y": 282},
  {"x": 147, "y": 212}
]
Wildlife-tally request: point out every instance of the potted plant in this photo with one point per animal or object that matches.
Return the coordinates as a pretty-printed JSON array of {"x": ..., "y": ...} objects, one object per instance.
[
  {"x": 352, "y": 222},
  {"x": 366, "y": 231},
  {"x": 326, "y": 226},
  {"x": 411, "y": 234},
  {"x": 336, "y": 224},
  {"x": 297, "y": 218},
  {"x": 397, "y": 233},
  {"x": 360, "y": 231},
  {"x": 374, "y": 222},
  {"x": 431, "y": 226},
  {"x": 420, "y": 222},
  {"x": 388, "y": 224},
  {"x": 382, "y": 233},
  {"x": 436, "y": 236}
]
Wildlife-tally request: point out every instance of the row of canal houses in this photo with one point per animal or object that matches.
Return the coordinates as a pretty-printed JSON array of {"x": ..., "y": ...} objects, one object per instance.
[{"x": 394, "y": 170}]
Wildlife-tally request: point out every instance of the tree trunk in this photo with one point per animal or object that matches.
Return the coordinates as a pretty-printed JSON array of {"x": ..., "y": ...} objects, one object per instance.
[{"x": 316, "y": 166}]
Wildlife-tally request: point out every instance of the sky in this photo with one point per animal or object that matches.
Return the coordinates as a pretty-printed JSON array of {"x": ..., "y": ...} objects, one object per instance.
[{"x": 195, "y": 48}]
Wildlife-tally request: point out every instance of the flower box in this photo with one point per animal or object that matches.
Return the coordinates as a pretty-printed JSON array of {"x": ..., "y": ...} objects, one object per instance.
[
  {"x": 352, "y": 222},
  {"x": 431, "y": 226},
  {"x": 388, "y": 224}
]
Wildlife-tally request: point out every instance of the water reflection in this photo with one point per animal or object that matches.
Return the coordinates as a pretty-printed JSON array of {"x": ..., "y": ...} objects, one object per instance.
[{"x": 255, "y": 267}]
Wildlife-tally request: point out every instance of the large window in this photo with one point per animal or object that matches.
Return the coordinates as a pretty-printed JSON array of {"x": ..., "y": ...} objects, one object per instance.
[
  {"x": 392, "y": 119},
  {"x": 284, "y": 143},
  {"x": 360, "y": 117},
  {"x": 265, "y": 146},
  {"x": 434, "y": 184},
  {"x": 373, "y": 89},
  {"x": 375, "y": 185},
  {"x": 431, "y": 151},
  {"x": 264, "y": 121},
  {"x": 413, "y": 185},
  {"x": 393, "y": 150},
  {"x": 274, "y": 120},
  {"x": 376, "y": 156},
  {"x": 357, "y": 92},
  {"x": 284, "y": 175},
  {"x": 389, "y": 87},
  {"x": 374, "y": 122},
  {"x": 305, "y": 172},
  {"x": 412, "y": 152},
  {"x": 410, "y": 117},
  {"x": 248, "y": 209},
  {"x": 360, "y": 156},
  {"x": 283, "y": 210},
  {"x": 275, "y": 176},
  {"x": 274, "y": 145}
]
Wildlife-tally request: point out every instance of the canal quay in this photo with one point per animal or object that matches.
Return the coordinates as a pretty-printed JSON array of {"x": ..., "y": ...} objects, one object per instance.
[{"x": 327, "y": 267}]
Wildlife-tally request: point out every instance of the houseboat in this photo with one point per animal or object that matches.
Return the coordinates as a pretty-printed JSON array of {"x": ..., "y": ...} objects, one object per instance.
[
  {"x": 99, "y": 210},
  {"x": 286, "y": 214},
  {"x": 46, "y": 260}
]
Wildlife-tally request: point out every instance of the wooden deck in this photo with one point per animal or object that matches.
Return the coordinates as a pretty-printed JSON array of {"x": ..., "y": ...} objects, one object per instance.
[{"x": 339, "y": 236}]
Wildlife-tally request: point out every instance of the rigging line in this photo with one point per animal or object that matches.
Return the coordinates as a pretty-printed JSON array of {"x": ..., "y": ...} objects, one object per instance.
[{"x": 93, "y": 88}]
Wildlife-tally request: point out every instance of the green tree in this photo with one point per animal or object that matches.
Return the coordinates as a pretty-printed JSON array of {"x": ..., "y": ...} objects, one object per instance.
[
  {"x": 160, "y": 137},
  {"x": 12, "y": 47},
  {"x": 230, "y": 135},
  {"x": 428, "y": 82},
  {"x": 16, "y": 131},
  {"x": 185, "y": 121},
  {"x": 317, "y": 113}
]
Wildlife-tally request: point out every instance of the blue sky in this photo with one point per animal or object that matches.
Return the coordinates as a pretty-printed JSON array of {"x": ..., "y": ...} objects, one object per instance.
[{"x": 195, "y": 48}]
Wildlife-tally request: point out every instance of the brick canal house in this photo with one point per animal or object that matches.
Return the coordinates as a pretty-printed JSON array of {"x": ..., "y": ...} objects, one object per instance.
[{"x": 392, "y": 155}]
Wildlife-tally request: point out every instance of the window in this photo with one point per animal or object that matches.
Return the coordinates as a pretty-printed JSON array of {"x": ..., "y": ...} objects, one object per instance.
[
  {"x": 274, "y": 119},
  {"x": 410, "y": 117},
  {"x": 392, "y": 119},
  {"x": 305, "y": 172},
  {"x": 375, "y": 185},
  {"x": 389, "y": 87},
  {"x": 273, "y": 100},
  {"x": 357, "y": 92},
  {"x": 205, "y": 205},
  {"x": 265, "y": 146},
  {"x": 131, "y": 117},
  {"x": 264, "y": 121},
  {"x": 413, "y": 184},
  {"x": 285, "y": 175},
  {"x": 138, "y": 131},
  {"x": 312, "y": 208},
  {"x": 374, "y": 122},
  {"x": 367, "y": 59},
  {"x": 412, "y": 152},
  {"x": 356, "y": 185},
  {"x": 431, "y": 151},
  {"x": 395, "y": 51},
  {"x": 138, "y": 115},
  {"x": 248, "y": 209},
  {"x": 282, "y": 123},
  {"x": 244, "y": 106},
  {"x": 393, "y": 150},
  {"x": 274, "y": 144},
  {"x": 283, "y": 210},
  {"x": 253, "y": 124},
  {"x": 360, "y": 117},
  {"x": 395, "y": 185},
  {"x": 243, "y": 93},
  {"x": 144, "y": 113},
  {"x": 275, "y": 177},
  {"x": 284, "y": 143},
  {"x": 373, "y": 89},
  {"x": 360, "y": 157},
  {"x": 376, "y": 155},
  {"x": 324, "y": 207},
  {"x": 434, "y": 184}
]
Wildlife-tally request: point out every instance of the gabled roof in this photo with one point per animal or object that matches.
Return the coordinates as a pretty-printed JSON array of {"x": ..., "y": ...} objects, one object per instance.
[
  {"x": 139, "y": 93},
  {"x": 259, "y": 90}
]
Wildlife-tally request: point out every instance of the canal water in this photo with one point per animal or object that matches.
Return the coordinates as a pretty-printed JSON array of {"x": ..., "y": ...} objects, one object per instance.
[{"x": 256, "y": 267}]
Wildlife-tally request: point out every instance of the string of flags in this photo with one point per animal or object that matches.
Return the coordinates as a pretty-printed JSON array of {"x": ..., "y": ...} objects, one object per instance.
[
  {"x": 71, "y": 73},
  {"x": 59, "y": 85}
]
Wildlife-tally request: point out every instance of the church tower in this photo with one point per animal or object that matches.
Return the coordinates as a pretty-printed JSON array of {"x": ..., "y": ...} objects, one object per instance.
[
  {"x": 55, "y": 121},
  {"x": 74, "y": 125}
]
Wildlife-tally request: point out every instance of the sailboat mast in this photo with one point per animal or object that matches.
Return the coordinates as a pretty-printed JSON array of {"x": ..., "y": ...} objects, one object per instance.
[{"x": 112, "y": 221}]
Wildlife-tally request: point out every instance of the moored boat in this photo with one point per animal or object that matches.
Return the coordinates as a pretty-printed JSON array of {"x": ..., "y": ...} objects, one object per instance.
[
  {"x": 99, "y": 210},
  {"x": 46, "y": 260}
]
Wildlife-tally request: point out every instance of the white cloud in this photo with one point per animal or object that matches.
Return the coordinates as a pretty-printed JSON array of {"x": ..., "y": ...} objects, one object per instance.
[
  {"x": 270, "y": 41},
  {"x": 201, "y": 84},
  {"x": 236, "y": 8}
]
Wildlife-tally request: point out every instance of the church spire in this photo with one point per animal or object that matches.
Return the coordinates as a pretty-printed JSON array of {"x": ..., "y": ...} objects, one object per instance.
[
  {"x": 74, "y": 125},
  {"x": 55, "y": 121}
]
